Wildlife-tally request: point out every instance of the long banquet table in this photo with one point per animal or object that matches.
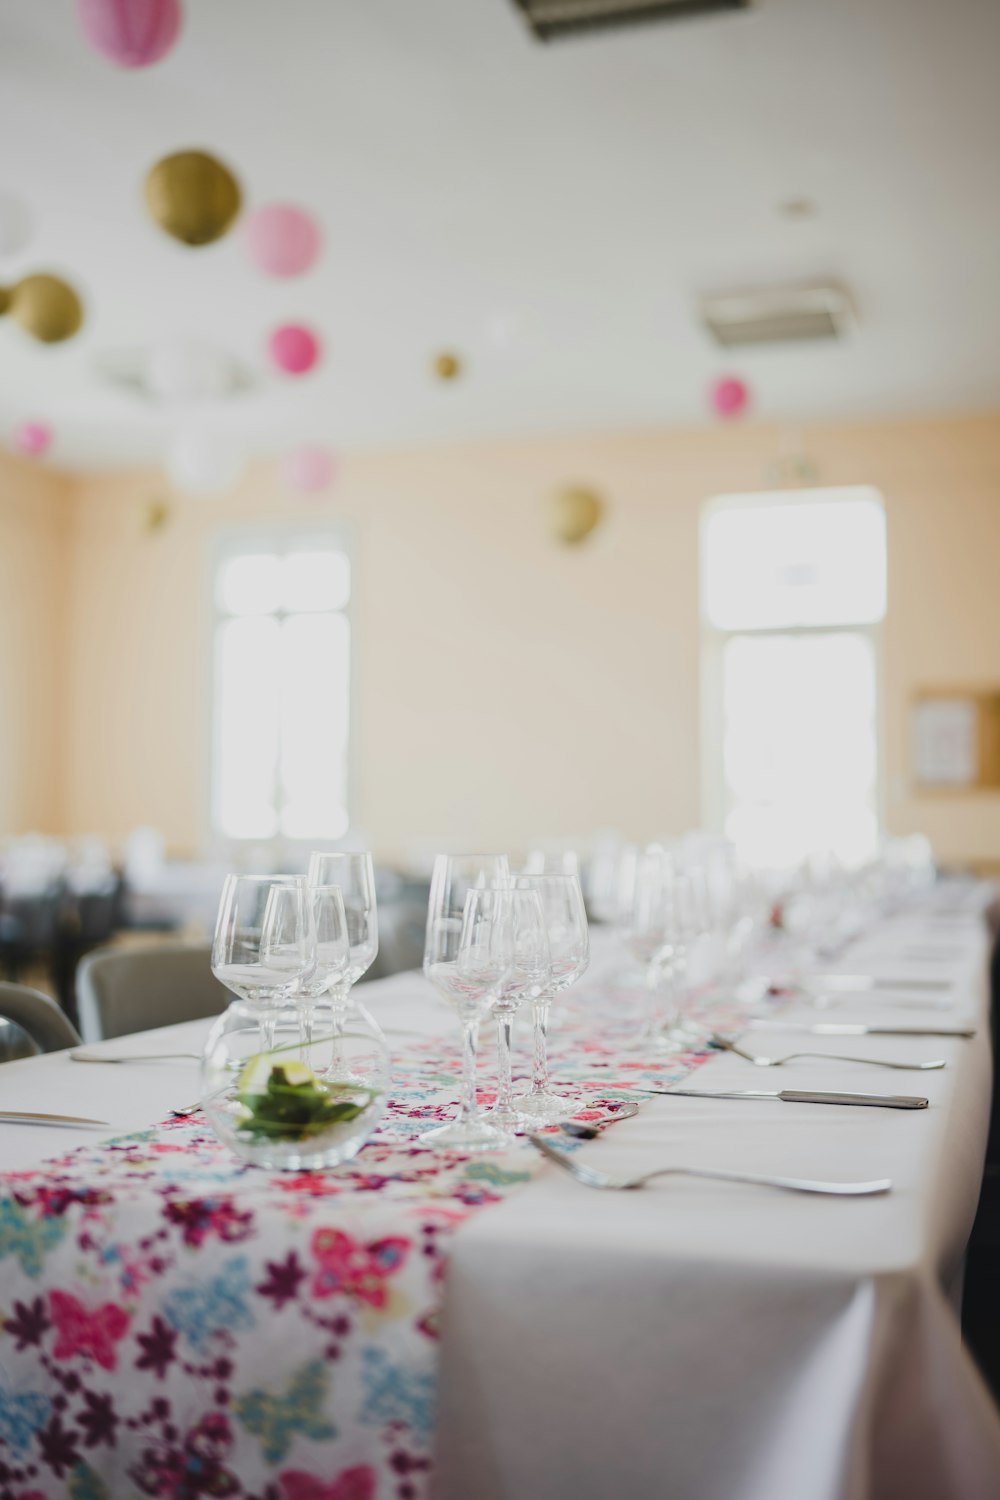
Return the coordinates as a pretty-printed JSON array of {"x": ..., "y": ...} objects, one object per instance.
[{"x": 690, "y": 1340}]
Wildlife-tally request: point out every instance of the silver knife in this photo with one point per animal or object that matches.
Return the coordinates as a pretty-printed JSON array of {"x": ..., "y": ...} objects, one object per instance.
[
  {"x": 858, "y": 1028},
  {"x": 798, "y": 1096},
  {"x": 858, "y": 982},
  {"x": 25, "y": 1117}
]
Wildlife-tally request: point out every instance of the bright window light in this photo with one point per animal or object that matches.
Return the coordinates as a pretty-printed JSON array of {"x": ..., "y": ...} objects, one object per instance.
[
  {"x": 774, "y": 563},
  {"x": 792, "y": 587},
  {"x": 282, "y": 691}
]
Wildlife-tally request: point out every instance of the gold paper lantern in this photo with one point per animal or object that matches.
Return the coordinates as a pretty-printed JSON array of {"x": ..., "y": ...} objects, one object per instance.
[
  {"x": 447, "y": 366},
  {"x": 155, "y": 516},
  {"x": 192, "y": 196},
  {"x": 47, "y": 308},
  {"x": 575, "y": 512}
]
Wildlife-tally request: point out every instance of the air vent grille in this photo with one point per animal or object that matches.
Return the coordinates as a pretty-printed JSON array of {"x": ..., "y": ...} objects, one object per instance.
[
  {"x": 549, "y": 19},
  {"x": 777, "y": 315}
]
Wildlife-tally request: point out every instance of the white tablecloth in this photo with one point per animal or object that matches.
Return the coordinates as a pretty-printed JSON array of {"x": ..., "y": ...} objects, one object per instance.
[{"x": 697, "y": 1340}]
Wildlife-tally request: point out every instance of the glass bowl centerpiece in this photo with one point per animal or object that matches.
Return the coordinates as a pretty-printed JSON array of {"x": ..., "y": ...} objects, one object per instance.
[{"x": 302, "y": 1102}]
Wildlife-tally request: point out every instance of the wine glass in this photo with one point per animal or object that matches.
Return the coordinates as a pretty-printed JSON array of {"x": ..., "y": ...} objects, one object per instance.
[
  {"x": 569, "y": 953},
  {"x": 668, "y": 918},
  {"x": 333, "y": 953},
  {"x": 355, "y": 875},
  {"x": 265, "y": 942},
  {"x": 524, "y": 982},
  {"x": 450, "y": 968}
]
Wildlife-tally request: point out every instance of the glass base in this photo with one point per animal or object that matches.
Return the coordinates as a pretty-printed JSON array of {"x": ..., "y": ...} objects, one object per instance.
[
  {"x": 475, "y": 1133},
  {"x": 510, "y": 1121},
  {"x": 547, "y": 1107}
]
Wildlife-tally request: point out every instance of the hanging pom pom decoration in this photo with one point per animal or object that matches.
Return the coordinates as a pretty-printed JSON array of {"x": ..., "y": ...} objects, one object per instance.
[
  {"x": 192, "y": 196},
  {"x": 729, "y": 397},
  {"x": 182, "y": 370},
  {"x": 33, "y": 439},
  {"x": 47, "y": 308},
  {"x": 294, "y": 349},
  {"x": 15, "y": 225},
  {"x": 308, "y": 470},
  {"x": 447, "y": 366},
  {"x": 575, "y": 513},
  {"x": 204, "y": 462},
  {"x": 281, "y": 240},
  {"x": 130, "y": 33}
]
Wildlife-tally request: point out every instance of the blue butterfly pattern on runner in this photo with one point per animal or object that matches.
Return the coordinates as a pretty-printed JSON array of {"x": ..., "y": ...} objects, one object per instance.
[
  {"x": 29, "y": 1239},
  {"x": 393, "y": 1394},
  {"x": 275, "y": 1420},
  {"x": 21, "y": 1416},
  {"x": 200, "y": 1311}
]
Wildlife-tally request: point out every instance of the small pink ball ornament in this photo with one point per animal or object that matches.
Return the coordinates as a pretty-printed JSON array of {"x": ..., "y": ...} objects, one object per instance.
[
  {"x": 282, "y": 240},
  {"x": 130, "y": 33},
  {"x": 33, "y": 439},
  {"x": 294, "y": 348},
  {"x": 308, "y": 470},
  {"x": 729, "y": 396}
]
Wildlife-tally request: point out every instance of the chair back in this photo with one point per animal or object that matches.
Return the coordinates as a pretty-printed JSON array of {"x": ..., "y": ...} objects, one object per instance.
[
  {"x": 122, "y": 990},
  {"x": 38, "y": 1017}
]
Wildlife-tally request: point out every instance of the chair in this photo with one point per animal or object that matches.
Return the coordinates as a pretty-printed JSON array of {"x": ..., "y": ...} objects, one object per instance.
[
  {"x": 121, "y": 990},
  {"x": 38, "y": 1017}
]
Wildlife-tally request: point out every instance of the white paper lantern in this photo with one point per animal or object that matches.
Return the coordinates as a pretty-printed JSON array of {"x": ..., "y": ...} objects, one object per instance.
[
  {"x": 15, "y": 225},
  {"x": 183, "y": 371},
  {"x": 203, "y": 461}
]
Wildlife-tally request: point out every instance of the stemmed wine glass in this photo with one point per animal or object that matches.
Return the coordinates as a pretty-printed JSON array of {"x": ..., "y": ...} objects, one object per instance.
[
  {"x": 569, "y": 952},
  {"x": 455, "y": 928},
  {"x": 333, "y": 954},
  {"x": 527, "y": 975},
  {"x": 355, "y": 875},
  {"x": 668, "y": 918},
  {"x": 265, "y": 942}
]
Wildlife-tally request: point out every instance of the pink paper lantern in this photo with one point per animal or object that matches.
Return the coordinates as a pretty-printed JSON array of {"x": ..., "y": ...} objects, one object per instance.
[
  {"x": 308, "y": 470},
  {"x": 282, "y": 240},
  {"x": 130, "y": 33},
  {"x": 729, "y": 396},
  {"x": 33, "y": 439},
  {"x": 294, "y": 349}
]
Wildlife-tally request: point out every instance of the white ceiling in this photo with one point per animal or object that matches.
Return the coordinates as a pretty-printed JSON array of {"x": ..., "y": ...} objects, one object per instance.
[{"x": 551, "y": 212}]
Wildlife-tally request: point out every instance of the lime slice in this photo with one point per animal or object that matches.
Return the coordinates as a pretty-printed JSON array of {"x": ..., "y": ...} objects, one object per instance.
[{"x": 256, "y": 1074}]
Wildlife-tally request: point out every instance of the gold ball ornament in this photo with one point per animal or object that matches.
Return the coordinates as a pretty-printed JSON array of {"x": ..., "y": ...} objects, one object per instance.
[
  {"x": 47, "y": 308},
  {"x": 447, "y": 366},
  {"x": 155, "y": 515},
  {"x": 576, "y": 511},
  {"x": 192, "y": 196},
  {"x": 6, "y": 298}
]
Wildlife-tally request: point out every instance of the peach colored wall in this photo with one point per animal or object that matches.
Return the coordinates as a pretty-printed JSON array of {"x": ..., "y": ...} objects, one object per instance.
[
  {"x": 34, "y": 507},
  {"x": 507, "y": 687}
]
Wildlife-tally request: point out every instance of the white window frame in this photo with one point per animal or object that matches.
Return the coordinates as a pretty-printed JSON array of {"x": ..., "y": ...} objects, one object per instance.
[
  {"x": 278, "y": 537},
  {"x": 714, "y": 639}
]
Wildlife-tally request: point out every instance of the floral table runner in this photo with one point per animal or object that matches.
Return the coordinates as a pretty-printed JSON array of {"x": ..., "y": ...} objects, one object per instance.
[{"x": 176, "y": 1323}]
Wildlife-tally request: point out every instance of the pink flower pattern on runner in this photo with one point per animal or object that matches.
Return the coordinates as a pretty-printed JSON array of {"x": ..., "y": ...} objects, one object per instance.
[{"x": 176, "y": 1323}]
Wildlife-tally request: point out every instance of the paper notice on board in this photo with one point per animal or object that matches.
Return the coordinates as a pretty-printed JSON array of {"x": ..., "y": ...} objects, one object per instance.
[{"x": 946, "y": 749}]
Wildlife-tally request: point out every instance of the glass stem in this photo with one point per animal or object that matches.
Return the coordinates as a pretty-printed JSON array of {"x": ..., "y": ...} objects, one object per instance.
[
  {"x": 306, "y": 1013},
  {"x": 540, "y": 1068},
  {"x": 470, "y": 1041},
  {"x": 268, "y": 1022},
  {"x": 504, "y": 1024}
]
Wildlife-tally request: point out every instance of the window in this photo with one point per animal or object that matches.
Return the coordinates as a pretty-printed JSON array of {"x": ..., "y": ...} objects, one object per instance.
[
  {"x": 793, "y": 588},
  {"x": 282, "y": 657}
]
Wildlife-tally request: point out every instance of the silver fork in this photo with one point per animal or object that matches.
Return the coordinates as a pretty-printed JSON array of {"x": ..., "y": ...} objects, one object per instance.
[
  {"x": 777, "y": 1062},
  {"x": 591, "y": 1178}
]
